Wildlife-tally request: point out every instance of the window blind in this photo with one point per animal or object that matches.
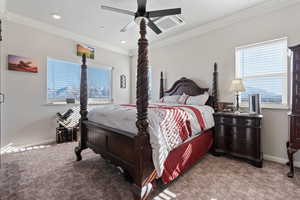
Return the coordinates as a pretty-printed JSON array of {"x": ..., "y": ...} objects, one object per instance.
[
  {"x": 263, "y": 67},
  {"x": 63, "y": 80}
]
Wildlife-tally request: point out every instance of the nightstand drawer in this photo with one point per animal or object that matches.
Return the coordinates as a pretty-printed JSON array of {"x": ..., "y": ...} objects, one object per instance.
[
  {"x": 237, "y": 134},
  {"x": 248, "y": 122},
  {"x": 225, "y": 120},
  {"x": 244, "y": 149},
  {"x": 237, "y": 121}
]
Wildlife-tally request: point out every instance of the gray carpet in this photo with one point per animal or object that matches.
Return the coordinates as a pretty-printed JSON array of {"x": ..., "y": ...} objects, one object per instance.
[{"x": 53, "y": 174}]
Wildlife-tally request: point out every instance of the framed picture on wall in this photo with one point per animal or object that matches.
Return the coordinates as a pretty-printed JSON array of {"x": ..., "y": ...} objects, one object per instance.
[
  {"x": 225, "y": 106},
  {"x": 22, "y": 64},
  {"x": 123, "y": 81},
  {"x": 87, "y": 50}
]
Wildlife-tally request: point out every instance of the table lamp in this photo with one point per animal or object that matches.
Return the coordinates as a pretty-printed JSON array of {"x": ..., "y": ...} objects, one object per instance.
[{"x": 237, "y": 86}]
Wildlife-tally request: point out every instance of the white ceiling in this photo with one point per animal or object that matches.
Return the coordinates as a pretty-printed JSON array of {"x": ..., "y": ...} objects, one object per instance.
[{"x": 85, "y": 17}]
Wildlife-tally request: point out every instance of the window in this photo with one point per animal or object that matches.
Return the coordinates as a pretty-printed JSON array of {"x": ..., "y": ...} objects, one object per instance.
[
  {"x": 263, "y": 67},
  {"x": 63, "y": 80}
]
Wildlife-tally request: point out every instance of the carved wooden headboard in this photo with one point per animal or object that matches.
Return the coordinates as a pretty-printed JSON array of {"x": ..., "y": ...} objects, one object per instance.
[
  {"x": 186, "y": 86},
  {"x": 189, "y": 87}
]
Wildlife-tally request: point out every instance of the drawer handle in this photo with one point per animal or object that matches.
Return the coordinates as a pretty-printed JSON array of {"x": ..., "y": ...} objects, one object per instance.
[{"x": 226, "y": 120}]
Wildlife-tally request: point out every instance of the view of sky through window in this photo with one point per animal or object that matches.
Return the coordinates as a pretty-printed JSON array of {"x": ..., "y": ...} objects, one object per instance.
[
  {"x": 64, "y": 81},
  {"x": 263, "y": 68}
]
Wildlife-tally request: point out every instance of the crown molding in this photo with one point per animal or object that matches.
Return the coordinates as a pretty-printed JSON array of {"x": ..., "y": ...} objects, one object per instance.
[
  {"x": 246, "y": 14},
  {"x": 16, "y": 18},
  {"x": 2, "y": 7}
]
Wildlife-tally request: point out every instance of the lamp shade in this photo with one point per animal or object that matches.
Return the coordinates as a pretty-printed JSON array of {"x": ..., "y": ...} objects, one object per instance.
[{"x": 237, "y": 85}]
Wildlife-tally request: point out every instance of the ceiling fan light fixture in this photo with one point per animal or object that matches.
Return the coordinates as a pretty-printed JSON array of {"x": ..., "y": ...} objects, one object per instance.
[
  {"x": 56, "y": 16},
  {"x": 138, "y": 20}
]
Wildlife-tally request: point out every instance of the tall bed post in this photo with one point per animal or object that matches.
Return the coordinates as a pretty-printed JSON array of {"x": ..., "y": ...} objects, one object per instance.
[
  {"x": 83, "y": 109},
  {"x": 215, "y": 87},
  {"x": 161, "y": 88},
  {"x": 142, "y": 82},
  {"x": 142, "y": 180}
]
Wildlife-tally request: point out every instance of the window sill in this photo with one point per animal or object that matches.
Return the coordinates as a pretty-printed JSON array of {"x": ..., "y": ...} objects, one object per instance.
[
  {"x": 75, "y": 104},
  {"x": 269, "y": 106},
  {"x": 59, "y": 104}
]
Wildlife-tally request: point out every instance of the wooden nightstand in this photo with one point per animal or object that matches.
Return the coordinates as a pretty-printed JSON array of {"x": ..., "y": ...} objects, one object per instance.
[{"x": 239, "y": 135}]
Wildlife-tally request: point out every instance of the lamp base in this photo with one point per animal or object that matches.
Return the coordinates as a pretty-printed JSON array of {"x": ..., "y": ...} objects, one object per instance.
[
  {"x": 237, "y": 112},
  {"x": 237, "y": 103}
]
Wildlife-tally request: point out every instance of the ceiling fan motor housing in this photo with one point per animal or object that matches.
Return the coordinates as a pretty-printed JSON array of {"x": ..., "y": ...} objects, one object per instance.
[{"x": 138, "y": 20}]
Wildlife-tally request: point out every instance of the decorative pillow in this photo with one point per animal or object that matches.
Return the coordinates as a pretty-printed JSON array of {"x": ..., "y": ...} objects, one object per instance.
[
  {"x": 198, "y": 100},
  {"x": 183, "y": 98},
  {"x": 170, "y": 99}
]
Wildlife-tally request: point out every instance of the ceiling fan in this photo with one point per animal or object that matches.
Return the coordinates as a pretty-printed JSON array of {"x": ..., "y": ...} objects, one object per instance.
[{"x": 142, "y": 13}]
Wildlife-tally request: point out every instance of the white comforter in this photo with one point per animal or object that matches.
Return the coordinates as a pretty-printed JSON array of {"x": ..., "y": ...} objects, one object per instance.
[{"x": 123, "y": 117}]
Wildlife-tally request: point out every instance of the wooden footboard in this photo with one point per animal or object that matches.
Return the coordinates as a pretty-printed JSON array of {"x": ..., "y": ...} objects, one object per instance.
[
  {"x": 126, "y": 150},
  {"x": 113, "y": 145}
]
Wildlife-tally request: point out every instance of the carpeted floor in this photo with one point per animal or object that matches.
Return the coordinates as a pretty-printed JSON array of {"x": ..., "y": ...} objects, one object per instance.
[{"x": 53, "y": 174}]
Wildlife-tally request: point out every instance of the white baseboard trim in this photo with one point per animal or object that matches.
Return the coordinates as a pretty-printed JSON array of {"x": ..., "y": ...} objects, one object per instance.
[
  {"x": 2, "y": 149},
  {"x": 280, "y": 160},
  {"x": 12, "y": 145},
  {"x": 45, "y": 142},
  {"x": 11, "y": 148}
]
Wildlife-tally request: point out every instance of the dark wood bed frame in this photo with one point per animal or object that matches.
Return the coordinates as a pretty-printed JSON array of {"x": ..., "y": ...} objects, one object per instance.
[{"x": 132, "y": 152}]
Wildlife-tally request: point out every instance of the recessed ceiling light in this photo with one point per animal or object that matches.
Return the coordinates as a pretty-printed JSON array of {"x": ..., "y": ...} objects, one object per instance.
[
  {"x": 56, "y": 16},
  {"x": 123, "y": 41}
]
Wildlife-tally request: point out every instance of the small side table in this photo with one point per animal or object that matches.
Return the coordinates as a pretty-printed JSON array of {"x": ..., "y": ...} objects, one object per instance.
[
  {"x": 68, "y": 127},
  {"x": 66, "y": 134},
  {"x": 239, "y": 136}
]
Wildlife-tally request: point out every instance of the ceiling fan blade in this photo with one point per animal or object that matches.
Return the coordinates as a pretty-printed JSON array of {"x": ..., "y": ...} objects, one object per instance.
[
  {"x": 127, "y": 12},
  {"x": 153, "y": 26},
  {"x": 161, "y": 13},
  {"x": 128, "y": 26},
  {"x": 156, "y": 19},
  {"x": 142, "y": 5}
]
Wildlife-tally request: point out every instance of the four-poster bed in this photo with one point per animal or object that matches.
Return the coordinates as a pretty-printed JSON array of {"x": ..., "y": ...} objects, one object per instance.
[{"x": 133, "y": 151}]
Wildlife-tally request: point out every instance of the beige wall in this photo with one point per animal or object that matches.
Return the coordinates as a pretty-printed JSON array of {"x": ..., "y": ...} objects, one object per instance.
[
  {"x": 194, "y": 58},
  {"x": 27, "y": 118}
]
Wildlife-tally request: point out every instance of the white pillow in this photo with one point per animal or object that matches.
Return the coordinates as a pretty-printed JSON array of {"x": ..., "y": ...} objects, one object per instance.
[
  {"x": 183, "y": 98},
  {"x": 198, "y": 100},
  {"x": 170, "y": 99}
]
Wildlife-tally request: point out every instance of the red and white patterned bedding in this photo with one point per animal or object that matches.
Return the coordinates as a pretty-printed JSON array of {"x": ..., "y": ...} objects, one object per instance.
[{"x": 169, "y": 125}]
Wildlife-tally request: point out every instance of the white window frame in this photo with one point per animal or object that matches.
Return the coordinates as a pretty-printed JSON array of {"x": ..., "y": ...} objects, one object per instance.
[
  {"x": 286, "y": 75},
  {"x": 91, "y": 101}
]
